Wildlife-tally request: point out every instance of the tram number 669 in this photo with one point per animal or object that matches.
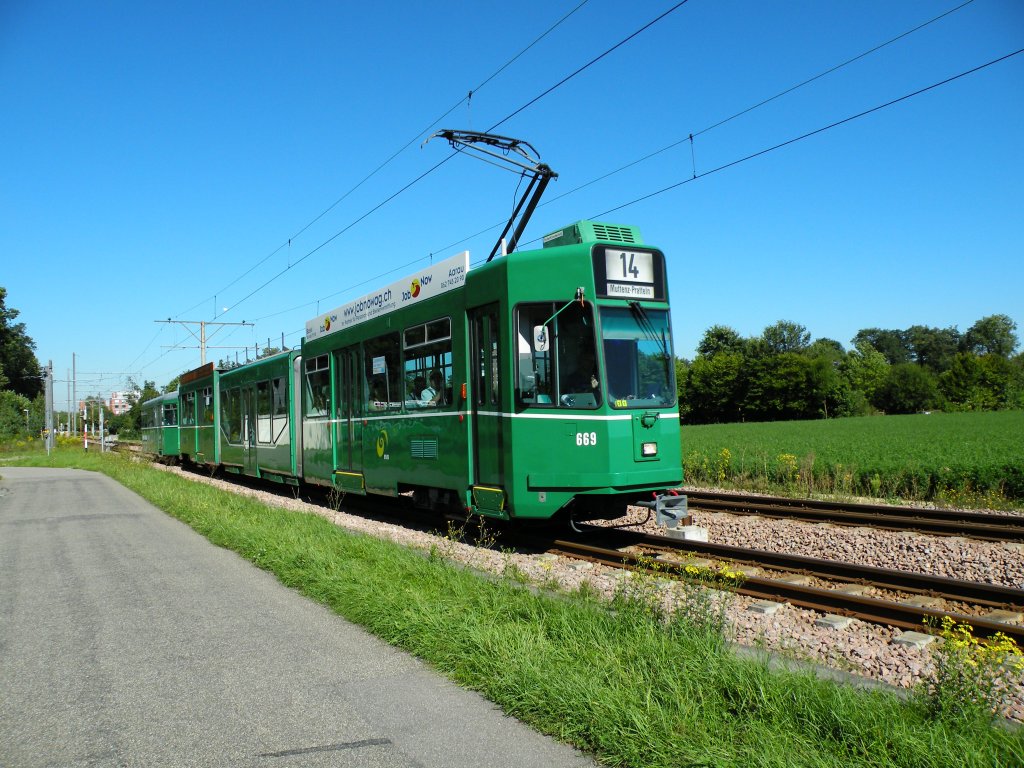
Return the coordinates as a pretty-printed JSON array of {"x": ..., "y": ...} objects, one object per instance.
[{"x": 586, "y": 438}]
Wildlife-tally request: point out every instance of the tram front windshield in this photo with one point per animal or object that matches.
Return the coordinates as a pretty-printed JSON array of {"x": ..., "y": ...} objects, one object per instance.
[
  {"x": 557, "y": 357},
  {"x": 637, "y": 357}
]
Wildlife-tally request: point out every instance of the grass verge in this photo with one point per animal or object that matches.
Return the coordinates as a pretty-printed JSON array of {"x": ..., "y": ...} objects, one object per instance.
[{"x": 632, "y": 686}]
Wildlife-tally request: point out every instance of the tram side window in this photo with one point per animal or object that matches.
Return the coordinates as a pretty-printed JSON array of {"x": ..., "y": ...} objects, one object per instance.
[
  {"x": 230, "y": 415},
  {"x": 487, "y": 369},
  {"x": 318, "y": 386},
  {"x": 225, "y": 411},
  {"x": 557, "y": 356},
  {"x": 207, "y": 405},
  {"x": 492, "y": 351},
  {"x": 280, "y": 412},
  {"x": 188, "y": 416},
  {"x": 579, "y": 384},
  {"x": 428, "y": 365},
  {"x": 235, "y": 417},
  {"x": 263, "y": 410},
  {"x": 534, "y": 367},
  {"x": 170, "y": 414},
  {"x": 381, "y": 369}
]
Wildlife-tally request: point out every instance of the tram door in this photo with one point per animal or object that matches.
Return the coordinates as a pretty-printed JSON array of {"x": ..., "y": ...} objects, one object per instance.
[
  {"x": 485, "y": 364},
  {"x": 348, "y": 425},
  {"x": 249, "y": 428}
]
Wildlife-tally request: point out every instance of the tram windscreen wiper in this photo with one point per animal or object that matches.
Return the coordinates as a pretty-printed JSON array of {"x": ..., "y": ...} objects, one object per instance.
[{"x": 644, "y": 321}]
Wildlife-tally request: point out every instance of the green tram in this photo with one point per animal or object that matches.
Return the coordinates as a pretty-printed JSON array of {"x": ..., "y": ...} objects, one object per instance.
[
  {"x": 537, "y": 385},
  {"x": 160, "y": 426},
  {"x": 258, "y": 418},
  {"x": 198, "y": 397}
]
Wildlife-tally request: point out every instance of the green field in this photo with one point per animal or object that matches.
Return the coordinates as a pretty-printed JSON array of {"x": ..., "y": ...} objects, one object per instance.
[{"x": 973, "y": 458}]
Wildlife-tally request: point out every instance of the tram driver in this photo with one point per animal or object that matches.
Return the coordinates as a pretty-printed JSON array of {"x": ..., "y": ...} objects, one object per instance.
[{"x": 583, "y": 377}]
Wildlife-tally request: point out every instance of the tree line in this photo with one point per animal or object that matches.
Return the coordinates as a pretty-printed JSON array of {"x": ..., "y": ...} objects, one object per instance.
[
  {"x": 782, "y": 375},
  {"x": 21, "y": 378},
  {"x": 22, "y": 405},
  {"x": 776, "y": 376}
]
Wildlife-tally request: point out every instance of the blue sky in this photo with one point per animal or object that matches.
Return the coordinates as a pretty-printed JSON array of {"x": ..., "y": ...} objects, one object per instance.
[{"x": 157, "y": 159}]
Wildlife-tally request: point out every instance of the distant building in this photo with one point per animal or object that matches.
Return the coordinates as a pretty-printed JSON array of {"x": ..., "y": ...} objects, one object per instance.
[{"x": 118, "y": 403}]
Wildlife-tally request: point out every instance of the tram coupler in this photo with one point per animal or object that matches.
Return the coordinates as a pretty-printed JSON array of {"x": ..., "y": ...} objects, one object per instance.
[{"x": 670, "y": 509}]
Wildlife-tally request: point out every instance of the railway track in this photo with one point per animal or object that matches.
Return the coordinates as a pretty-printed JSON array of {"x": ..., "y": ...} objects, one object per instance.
[
  {"x": 942, "y": 522},
  {"x": 606, "y": 548}
]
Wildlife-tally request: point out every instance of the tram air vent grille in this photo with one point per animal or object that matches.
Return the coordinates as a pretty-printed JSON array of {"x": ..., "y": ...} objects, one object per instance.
[
  {"x": 424, "y": 449},
  {"x": 593, "y": 232},
  {"x": 613, "y": 233}
]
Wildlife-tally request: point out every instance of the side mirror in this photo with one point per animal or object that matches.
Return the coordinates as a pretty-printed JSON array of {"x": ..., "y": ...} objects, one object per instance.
[{"x": 540, "y": 338}]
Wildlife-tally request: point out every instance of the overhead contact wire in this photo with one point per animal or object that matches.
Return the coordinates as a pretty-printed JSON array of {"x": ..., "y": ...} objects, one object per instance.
[
  {"x": 690, "y": 137},
  {"x": 589, "y": 64},
  {"x": 808, "y": 135},
  {"x": 380, "y": 167},
  {"x": 445, "y": 160}
]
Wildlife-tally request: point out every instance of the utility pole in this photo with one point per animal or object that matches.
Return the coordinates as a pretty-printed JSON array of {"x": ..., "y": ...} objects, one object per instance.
[
  {"x": 49, "y": 407},
  {"x": 74, "y": 397},
  {"x": 202, "y": 338}
]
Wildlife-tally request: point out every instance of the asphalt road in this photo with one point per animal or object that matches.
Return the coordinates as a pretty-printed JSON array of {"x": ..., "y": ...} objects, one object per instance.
[{"x": 126, "y": 639}]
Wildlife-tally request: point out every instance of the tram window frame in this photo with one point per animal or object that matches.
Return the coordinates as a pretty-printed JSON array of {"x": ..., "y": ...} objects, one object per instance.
[
  {"x": 565, "y": 358},
  {"x": 231, "y": 415},
  {"x": 491, "y": 350},
  {"x": 427, "y": 353},
  {"x": 382, "y": 349},
  {"x": 225, "y": 412},
  {"x": 189, "y": 416},
  {"x": 264, "y": 433},
  {"x": 317, "y": 382},
  {"x": 279, "y": 408},
  {"x": 625, "y": 344},
  {"x": 207, "y": 417},
  {"x": 168, "y": 409},
  {"x": 535, "y": 385}
]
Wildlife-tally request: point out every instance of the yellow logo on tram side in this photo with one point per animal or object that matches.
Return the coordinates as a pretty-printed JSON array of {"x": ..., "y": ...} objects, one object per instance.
[
  {"x": 414, "y": 289},
  {"x": 382, "y": 444}
]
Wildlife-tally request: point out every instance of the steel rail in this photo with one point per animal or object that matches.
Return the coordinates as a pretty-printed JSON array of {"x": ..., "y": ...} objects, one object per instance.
[
  {"x": 873, "y": 610},
  {"x": 885, "y": 578},
  {"x": 994, "y": 595},
  {"x": 944, "y": 522}
]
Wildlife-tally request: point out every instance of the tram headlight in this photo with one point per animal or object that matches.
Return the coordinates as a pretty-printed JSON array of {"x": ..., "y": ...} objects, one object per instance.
[{"x": 649, "y": 449}]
